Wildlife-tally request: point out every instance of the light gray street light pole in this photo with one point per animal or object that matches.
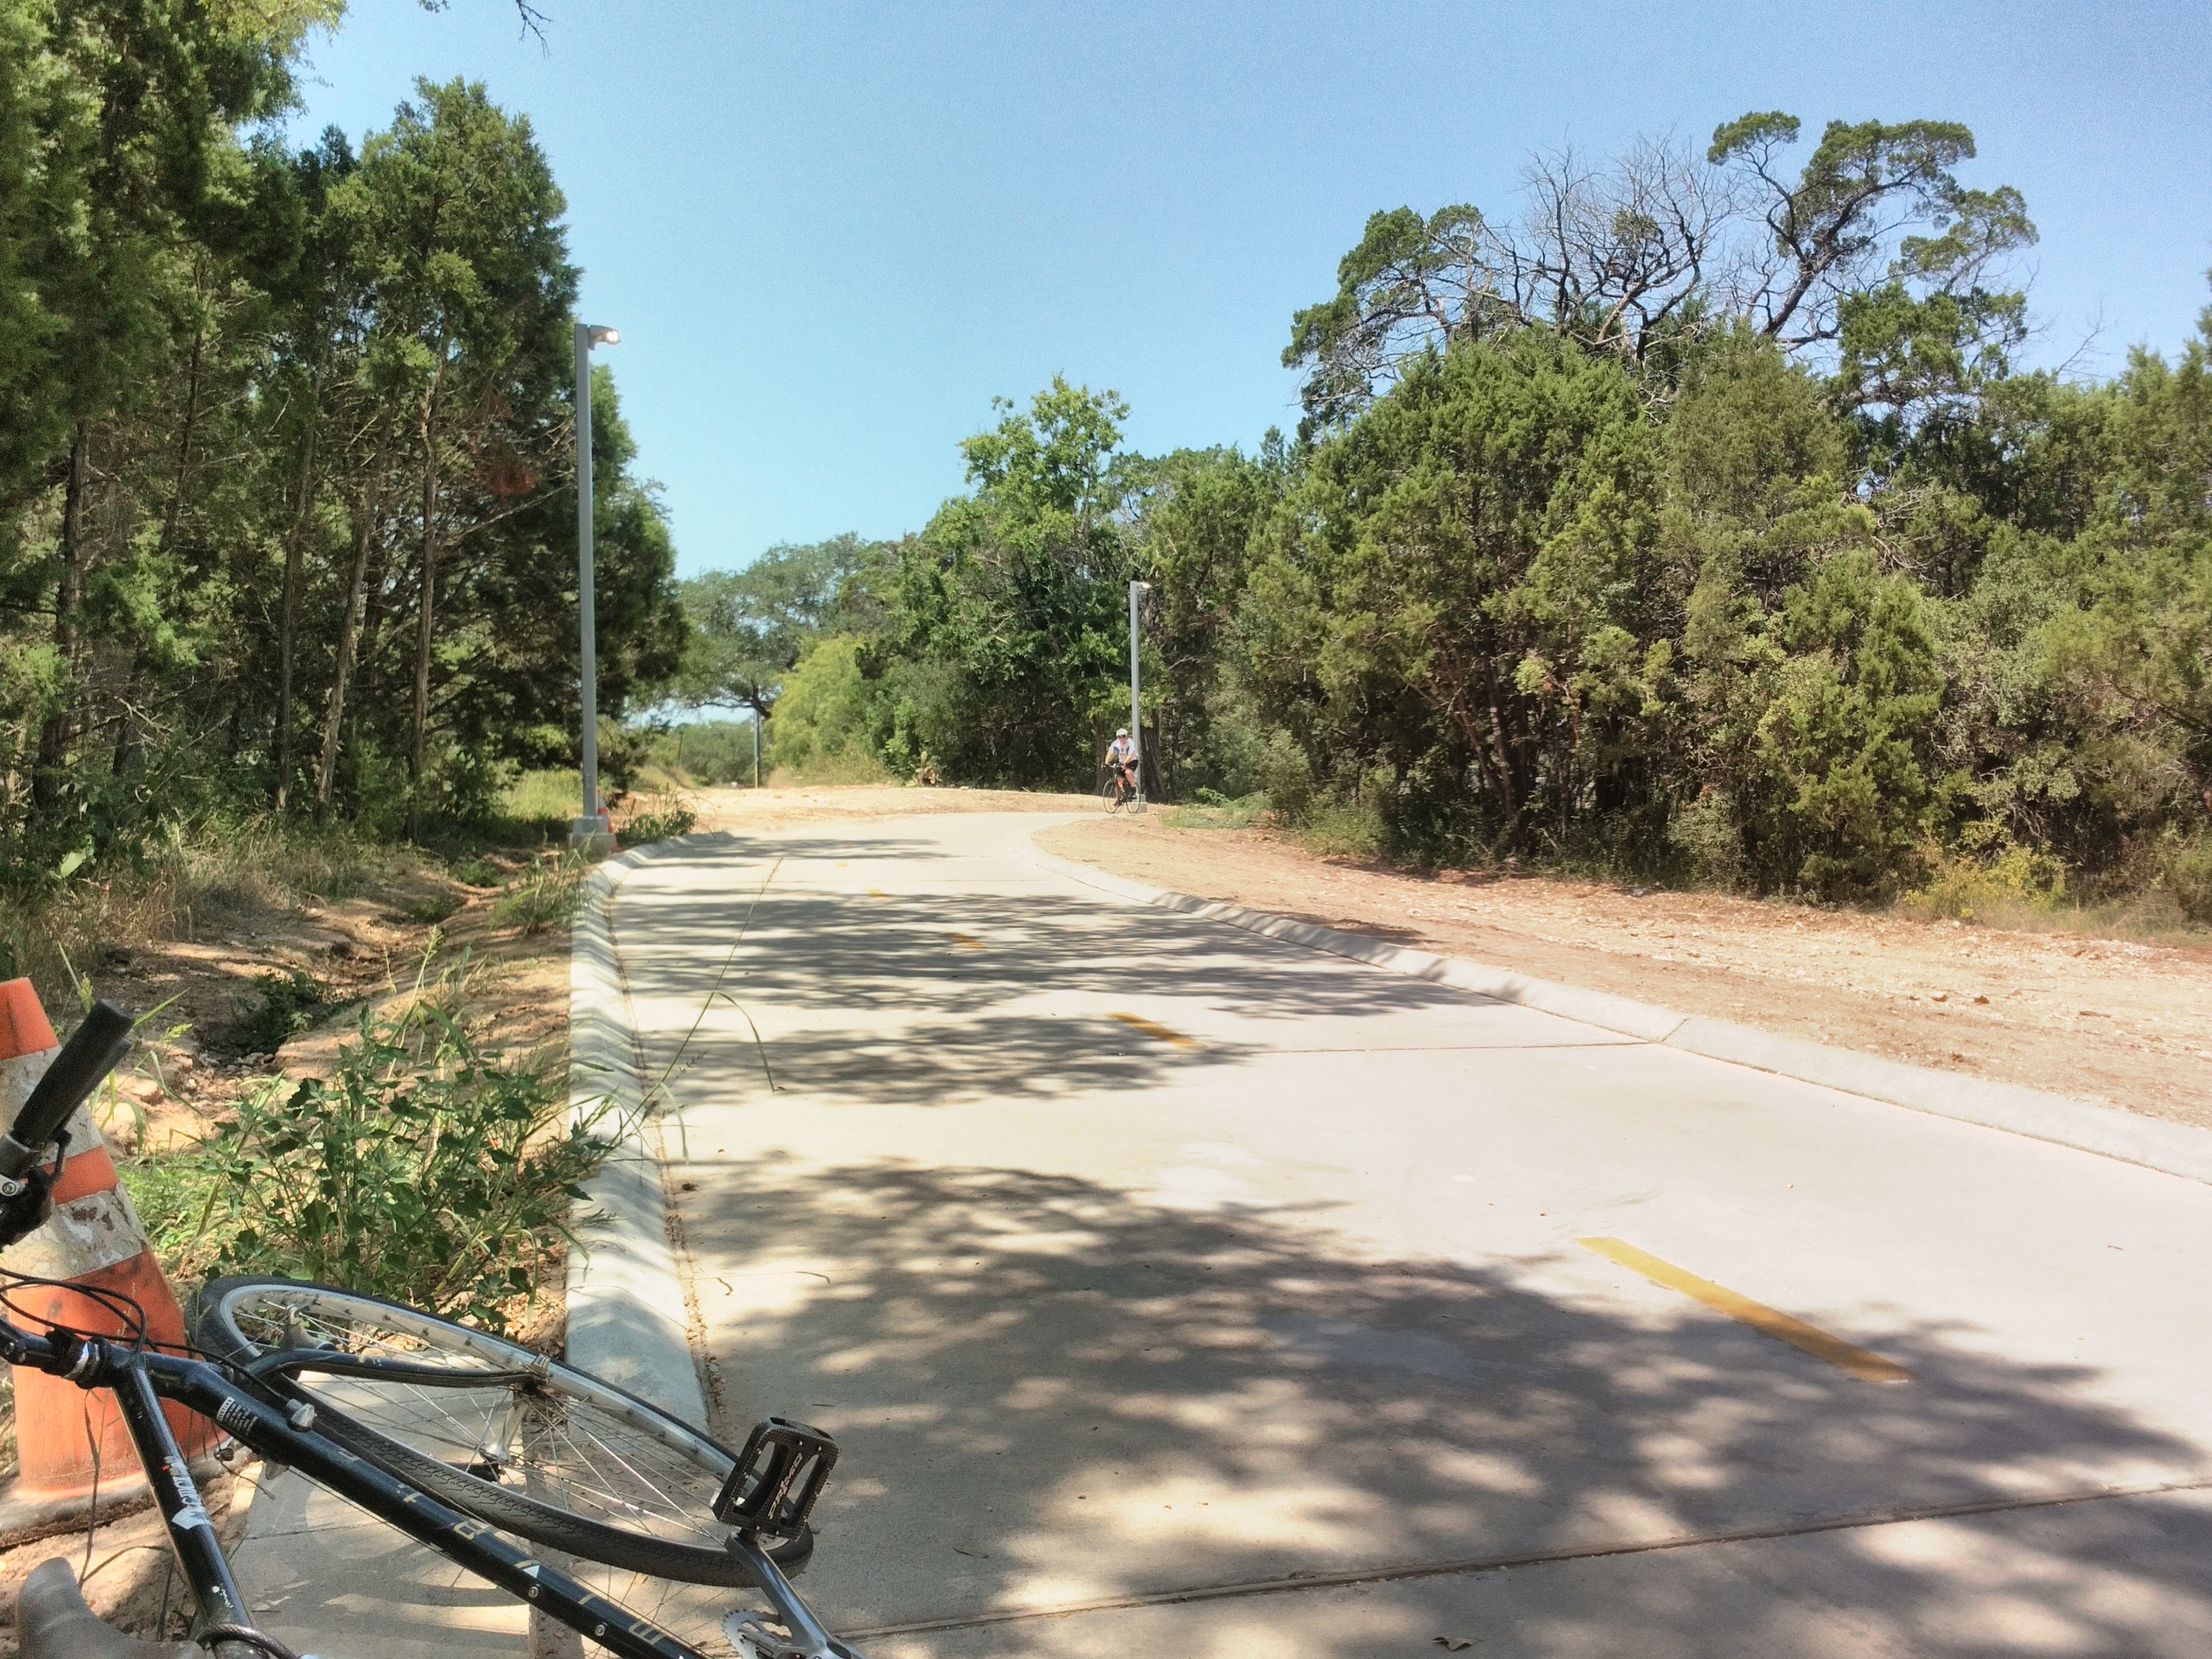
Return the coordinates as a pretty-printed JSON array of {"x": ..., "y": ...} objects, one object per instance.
[
  {"x": 591, "y": 830},
  {"x": 1136, "y": 704}
]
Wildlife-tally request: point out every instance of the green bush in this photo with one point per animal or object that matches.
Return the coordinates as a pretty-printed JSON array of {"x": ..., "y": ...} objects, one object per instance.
[
  {"x": 285, "y": 1005},
  {"x": 1287, "y": 774},
  {"x": 1990, "y": 883},
  {"x": 1704, "y": 836},
  {"x": 425, "y": 1168},
  {"x": 2189, "y": 875}
]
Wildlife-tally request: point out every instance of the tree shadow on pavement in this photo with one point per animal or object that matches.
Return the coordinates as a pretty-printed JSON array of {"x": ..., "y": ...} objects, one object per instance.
[
  {"x": 921, "y": 998},
  {"x": 1050, "y": 1393}
]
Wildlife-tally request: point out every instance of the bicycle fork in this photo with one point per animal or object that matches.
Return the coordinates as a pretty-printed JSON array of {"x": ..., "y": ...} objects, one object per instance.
[{"x": 191, "y": 1529}]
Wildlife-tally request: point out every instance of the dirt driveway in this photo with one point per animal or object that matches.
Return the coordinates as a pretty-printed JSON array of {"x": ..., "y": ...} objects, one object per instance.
[{"x": 2125, "y": 1024}]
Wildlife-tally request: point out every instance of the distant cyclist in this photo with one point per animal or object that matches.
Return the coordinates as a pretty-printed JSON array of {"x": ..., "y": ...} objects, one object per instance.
[{"x": 1121, "y": 756}]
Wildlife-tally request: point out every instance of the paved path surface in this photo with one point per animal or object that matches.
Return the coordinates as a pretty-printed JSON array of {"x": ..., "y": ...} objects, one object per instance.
[{"x": 1130, "y": 1255}]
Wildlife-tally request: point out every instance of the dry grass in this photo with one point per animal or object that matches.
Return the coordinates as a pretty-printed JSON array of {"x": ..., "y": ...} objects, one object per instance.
[{"x": 55, "y": 936}]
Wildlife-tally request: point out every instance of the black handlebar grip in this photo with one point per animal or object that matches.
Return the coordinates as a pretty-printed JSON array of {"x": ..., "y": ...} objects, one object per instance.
[{"x": 90, "y": 1055}]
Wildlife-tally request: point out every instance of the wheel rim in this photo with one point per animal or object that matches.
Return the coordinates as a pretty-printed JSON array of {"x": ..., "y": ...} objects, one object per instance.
[{"x": 568, "y": 1441}]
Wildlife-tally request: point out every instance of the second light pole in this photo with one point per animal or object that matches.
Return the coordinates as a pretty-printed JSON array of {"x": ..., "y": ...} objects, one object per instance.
[
  {"x": 1136, "y": 703},
  {"x": 590, "y": 831}
]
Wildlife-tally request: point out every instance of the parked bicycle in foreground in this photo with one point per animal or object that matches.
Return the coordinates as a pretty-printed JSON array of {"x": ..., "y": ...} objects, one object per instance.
[{"x": 600, "y": 1511}]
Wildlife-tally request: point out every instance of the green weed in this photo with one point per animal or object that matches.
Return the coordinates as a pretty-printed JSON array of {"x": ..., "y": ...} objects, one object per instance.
[
  {"x": 1211, "y": 809},
  {"x": 545, "y": 897},
  {"x": 424, "y": 1169},
  {"x": 184, "y": 875},
  {"x": 551, "y": 796},
  {"x": 667, "y": 817},
  {"x": 1335, "y": 828},
  {"x": 284, "y": 1006}
]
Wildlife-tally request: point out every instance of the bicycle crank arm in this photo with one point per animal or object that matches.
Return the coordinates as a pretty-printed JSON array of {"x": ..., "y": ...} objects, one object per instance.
[{"x": 749, "y": 1633}]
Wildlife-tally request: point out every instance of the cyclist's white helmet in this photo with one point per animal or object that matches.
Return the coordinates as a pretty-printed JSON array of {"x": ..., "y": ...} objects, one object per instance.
[{"x": 1121, "y": 731}]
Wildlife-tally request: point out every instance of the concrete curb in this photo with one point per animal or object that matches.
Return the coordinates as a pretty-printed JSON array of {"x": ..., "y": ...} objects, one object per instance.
[
  {"x": 628, "y": 1321},
  {"x": 2170, "y": 1148}
]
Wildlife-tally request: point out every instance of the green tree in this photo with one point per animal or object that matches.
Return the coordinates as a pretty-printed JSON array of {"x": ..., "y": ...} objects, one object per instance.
[
  {"x": 458, "y": 221},
  {"x": 1445, "y": 616},
  {"x": 1194, "y": 521},
  {"x": 751, "y": 628},
  {"x": 1012, "y": 604},
  {"x": 823, "y": 728}
]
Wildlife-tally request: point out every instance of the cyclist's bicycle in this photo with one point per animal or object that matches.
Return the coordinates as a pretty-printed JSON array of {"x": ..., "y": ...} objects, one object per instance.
[
  {"x": 1120, "y": 789},
  {"x": 600, "y": 1511}
]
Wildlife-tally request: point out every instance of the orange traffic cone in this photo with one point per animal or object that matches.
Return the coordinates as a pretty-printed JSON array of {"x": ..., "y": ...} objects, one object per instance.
[{"x": 69, "y": 1441}]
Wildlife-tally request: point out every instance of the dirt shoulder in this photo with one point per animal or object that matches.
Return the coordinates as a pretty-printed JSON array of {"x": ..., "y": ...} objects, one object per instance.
[
  {"x": 2121, "y": 1024},
  {"x": 418, "y": 925}
]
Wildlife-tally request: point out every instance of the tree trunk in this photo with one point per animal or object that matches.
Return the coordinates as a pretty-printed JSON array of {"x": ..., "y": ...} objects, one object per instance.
[
  {"x": 288, "y": 627},
  {"x": 185, "y": 444},
  {"x": 1148, "y": 752},
  {"x": 126, "y": 724},
  {"x": 1505, "y": 760},
  {"x": 418, "y": 741},
  {"x": 365, "y": 512},
  {"x": 52, "y": 763}
]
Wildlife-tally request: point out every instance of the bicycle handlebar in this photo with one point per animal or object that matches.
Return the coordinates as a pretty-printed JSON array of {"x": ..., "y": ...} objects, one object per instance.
[{"x": 90, "y": 1055}]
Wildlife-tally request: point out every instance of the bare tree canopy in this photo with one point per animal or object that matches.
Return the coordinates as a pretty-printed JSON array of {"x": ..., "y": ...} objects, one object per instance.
[{"x": 1626, "y": 257}]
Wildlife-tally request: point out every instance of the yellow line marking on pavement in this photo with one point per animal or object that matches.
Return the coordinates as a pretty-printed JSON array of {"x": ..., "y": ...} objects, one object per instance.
[
  {"x": 1866, "y": 1367},
  {"x": 1138, "y": 1023},
  {"x": 967, "y": 944}
]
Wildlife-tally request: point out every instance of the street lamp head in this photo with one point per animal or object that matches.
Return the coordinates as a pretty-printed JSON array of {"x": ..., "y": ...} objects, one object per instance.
[{"x": 605, "y": 336}]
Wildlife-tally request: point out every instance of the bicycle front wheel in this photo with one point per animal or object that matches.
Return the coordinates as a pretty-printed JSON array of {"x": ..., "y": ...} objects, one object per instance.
[{"x": 535, "y": 1448}]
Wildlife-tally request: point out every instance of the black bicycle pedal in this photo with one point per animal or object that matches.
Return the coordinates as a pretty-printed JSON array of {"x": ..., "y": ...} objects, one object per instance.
[{"x": 779, "y": 1475}]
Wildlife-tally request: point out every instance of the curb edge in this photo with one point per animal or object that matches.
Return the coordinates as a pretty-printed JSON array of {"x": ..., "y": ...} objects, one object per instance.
[{"x": 628, "y": 1321}]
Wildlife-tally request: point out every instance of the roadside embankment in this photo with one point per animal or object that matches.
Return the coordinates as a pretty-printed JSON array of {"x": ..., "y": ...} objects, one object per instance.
[{"x": 2113, "y": 1022}]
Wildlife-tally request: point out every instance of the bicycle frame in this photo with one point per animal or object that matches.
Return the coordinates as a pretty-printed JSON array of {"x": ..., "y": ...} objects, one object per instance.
[{"x": 143, "y": 1379}]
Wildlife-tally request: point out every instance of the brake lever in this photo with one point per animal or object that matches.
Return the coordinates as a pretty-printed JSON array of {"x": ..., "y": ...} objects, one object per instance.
[{"x": 27, "y": 1199}]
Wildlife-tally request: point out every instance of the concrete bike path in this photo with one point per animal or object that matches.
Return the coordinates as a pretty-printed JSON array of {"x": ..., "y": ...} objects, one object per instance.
[{"x": 1172, "y": 1289}]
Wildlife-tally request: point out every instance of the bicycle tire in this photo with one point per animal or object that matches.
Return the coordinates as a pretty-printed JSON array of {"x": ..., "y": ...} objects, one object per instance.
[{"x": 610, "y": 1478}]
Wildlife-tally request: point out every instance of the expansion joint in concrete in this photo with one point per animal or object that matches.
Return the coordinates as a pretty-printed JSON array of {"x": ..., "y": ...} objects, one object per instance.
[{"x": 1291, "y": 1583}]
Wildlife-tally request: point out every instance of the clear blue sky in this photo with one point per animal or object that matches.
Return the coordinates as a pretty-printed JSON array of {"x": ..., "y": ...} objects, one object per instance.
[{"x": 831, "y": 232}]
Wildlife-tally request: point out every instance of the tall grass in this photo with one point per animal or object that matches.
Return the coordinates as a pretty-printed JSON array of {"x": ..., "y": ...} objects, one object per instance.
[
  {"x": 553, "y": 795},
  {"x": 545, "y": 895},
  {"x": 1209, "y": 809}
]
